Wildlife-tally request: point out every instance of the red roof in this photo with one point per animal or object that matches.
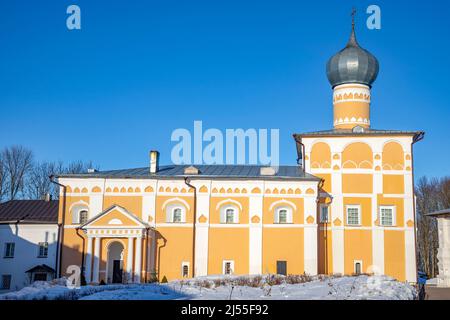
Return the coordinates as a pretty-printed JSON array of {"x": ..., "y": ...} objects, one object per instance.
[{"x": 31, "y": 211}]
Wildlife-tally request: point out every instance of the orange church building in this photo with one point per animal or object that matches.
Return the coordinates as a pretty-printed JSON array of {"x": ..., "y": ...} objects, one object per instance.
[{"x": 347, "y": 207}]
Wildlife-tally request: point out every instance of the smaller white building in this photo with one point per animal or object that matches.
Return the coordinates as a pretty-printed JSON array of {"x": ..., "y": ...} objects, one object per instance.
[
  {"x": 28, "y": 242},
  {"x": 443, "y": 255}
]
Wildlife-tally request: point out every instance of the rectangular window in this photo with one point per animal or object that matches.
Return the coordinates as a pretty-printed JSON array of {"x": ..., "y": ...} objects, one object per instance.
[
  {"x": 43, "y": 250},
  {"x": 228, "y": 267},
  {"x": 6, "y": 282},
  {"x": 185, "y": 269},
  {"x": 387, "y": 216},
  {"x": 324, "y": 213},
  {"x": 353, "y": 215},
  {"x": 282, "y": 268},
  {"x": 9, "y": 250}
]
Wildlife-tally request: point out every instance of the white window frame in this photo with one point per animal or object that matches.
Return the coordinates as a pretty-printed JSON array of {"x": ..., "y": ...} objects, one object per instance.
[
  {"x": 288, "y": 215},
  {"x": 7, "y": 254},
  {"x": 79, "y": 216},
  {"x": 171, "y": 210},
  {"x": 394, "y": 216},
  {"x": 323, "y": 205},
  {"x": 353, "y": 206},
  {"x": 185, "y": 264},
  {"x": 224, "y": 263},
  {"x": 44, "y": 246},
  {"x": 223, "y": 214},
  {"x": 76, "y": 213},
  {"x": 354, "y": 266}
]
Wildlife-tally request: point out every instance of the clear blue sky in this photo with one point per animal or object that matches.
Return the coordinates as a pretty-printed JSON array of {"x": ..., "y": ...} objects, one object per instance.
[{"x": 140, "y": 69}]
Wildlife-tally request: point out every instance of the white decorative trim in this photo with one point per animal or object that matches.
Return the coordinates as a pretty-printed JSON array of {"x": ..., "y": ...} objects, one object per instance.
[
  {"x": 289, "y": 203},
  {"x": 227, "y": 201},
  {"x": 176, "y": 200}
]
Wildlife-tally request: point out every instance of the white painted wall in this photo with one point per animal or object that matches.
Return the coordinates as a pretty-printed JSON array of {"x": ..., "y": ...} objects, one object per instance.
[{"x": 26, "y": 238}]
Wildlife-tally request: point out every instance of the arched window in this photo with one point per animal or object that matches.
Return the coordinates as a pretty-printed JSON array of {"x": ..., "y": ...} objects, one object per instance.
[
  {"x": 80, "y": 214},
  {"x": 83, "y": 216},
  {"x": 229, "y": 214},
  {"x": 177, "y": 215},
  {"x": 283, "y": 215}
]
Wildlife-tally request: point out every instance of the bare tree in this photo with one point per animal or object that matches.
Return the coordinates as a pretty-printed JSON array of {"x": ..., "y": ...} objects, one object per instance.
[
  {"x": 17, "y": 162},
  {"x": 38, "y": 182},
  {"x": 2, "y": 179},
  {"x": 432, "y": 195},
  {"x": 76, "y": 167}
]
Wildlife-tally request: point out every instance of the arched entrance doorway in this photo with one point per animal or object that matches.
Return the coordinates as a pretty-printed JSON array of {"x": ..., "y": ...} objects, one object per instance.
[{"x": 115, "y": 262}]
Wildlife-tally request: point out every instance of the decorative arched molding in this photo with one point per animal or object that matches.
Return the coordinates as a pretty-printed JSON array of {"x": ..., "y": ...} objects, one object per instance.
[
  {"x": 281, "y": 203},
  {"x": 174, "y": 201},
  {"x": 229, "y": 201},
  {"x": 289, "y": 211},
  {"x": 79, "y": 203},
  {"x": 75, "y": 210},
  {"x": 109, "y": 242},
  {"x": 115, "y": 221}
]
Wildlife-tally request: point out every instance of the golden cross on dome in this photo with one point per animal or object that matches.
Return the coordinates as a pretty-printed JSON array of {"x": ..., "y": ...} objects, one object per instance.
[{"x": 353, "y": 16}]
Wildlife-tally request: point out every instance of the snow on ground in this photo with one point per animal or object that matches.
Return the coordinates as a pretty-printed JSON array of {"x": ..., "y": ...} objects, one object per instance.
[
  {"x": 432, "y": 281},
  {"x": 236, "y": 288}
]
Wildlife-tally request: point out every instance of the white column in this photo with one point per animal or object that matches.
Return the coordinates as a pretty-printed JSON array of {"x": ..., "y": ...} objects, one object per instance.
[
  {"x": 138, "y": 260},
  {"x": 95, "y": 275},
  {"x": 255, "y": 230},
  {"x": 443, "y": 278},
  {"x": 130, "y": 260},
  {"x": 310, "y": 237},
  {"x": 88, "y": 262},
  {"x": 337, "y": 212},
  {"x": 202, "y": 232}
]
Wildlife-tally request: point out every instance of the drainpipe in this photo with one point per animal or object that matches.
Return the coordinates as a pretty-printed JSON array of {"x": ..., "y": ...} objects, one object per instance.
[
  {"x": 82, "y": 253},
  {"x": 187, "y": 181},
  {"x": 318, "y": 213},
  {"x": 300, "y": 151},
  {"x": 60, "y": 227},
  {"x": 416, "y": 138}
]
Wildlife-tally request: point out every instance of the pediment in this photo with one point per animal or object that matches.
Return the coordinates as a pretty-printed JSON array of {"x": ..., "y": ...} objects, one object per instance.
[{"x": 115, "y": 217}]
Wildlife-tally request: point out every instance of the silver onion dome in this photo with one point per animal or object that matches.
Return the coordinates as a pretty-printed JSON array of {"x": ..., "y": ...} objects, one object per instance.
[{"x": 352, "y": 64}]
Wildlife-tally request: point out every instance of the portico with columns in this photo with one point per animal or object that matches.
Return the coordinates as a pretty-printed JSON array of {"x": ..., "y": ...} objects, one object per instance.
[{"x": 116, "y": 244}]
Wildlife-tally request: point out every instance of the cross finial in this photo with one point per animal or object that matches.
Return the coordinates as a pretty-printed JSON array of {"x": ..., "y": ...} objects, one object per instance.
[{"x": 353, "y": 17}]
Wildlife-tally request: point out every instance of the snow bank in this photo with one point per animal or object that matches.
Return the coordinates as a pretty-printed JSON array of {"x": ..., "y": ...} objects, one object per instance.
[{"x": 224, "y": 288}]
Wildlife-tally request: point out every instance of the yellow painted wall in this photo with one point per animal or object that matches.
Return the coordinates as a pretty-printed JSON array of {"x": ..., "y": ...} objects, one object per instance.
[
  {"x": 393, "y": 184},
  {"x": 174, "y": 246},
  {"x": 357, "y": 246},
  {"x": 284, "y": 244},
  {"x": 357, "y": 155},
  {"x": 133, "y": 204},
  {"x": 228, "y": 244},
  {"x": 393, "y": 156},
  {"x": 357, "y": 183},
  {"x": 394, "y": 254},
  {"x": 320, "y": 155}
]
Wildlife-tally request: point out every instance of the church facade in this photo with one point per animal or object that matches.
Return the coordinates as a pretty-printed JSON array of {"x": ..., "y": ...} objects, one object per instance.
[{"x": 346, "y": 208}]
